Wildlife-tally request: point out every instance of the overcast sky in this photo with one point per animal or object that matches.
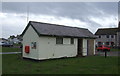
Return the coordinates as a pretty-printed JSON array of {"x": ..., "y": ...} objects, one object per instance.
[{"x": 90, "y": 15}]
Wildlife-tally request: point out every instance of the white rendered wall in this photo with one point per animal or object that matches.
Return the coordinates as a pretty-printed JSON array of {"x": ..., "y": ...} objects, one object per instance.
[
  {"x": 30, "y": 36},
  {"x": 49, "y": 49}
]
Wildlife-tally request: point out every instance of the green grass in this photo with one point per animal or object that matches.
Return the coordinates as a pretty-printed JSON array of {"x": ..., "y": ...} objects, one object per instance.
[
  {"x": 10, "y": 49},
  {"x": 13, "y": 49},
  {"x": 17, "y": 44},
  {"x": 14, "y": 64},
  {"x": 115, "y": 49}
]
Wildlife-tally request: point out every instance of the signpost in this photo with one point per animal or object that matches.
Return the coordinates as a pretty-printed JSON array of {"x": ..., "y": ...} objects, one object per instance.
[{"x": 105, "y": 53}]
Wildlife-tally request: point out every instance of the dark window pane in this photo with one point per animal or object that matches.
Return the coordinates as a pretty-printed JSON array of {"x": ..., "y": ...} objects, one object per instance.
[
  {"x": 107, "y": 43},
  {"x": 112, "y": 36},
  {"x": 112, "y": 43},
  {"x": 33, "y": 45},
  {"x": 99, "y": 36},
  {"x": 59, "y": 40},
  {"x": 99, "y": 43},
  {"x": 107, "y": 36},
  {"x": 72, "y": 40}
]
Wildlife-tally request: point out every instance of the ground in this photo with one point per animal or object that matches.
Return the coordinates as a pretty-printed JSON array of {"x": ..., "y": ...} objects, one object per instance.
[
  {"x": 14, "y": 64},
  {"x": 11, "y": 49},
  {"x": 111, "y": 53}
]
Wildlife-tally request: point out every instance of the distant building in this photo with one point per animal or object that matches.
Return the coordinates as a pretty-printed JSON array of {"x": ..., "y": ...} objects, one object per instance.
[
  {"x": 118, "y": 35},
  {"x": 108, "y": 36},
  {"x": 3, "y": 40},
  {"x": 15, "y": 40}
]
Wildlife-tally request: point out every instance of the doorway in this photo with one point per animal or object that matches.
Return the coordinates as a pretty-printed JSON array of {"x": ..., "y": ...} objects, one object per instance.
[
  {"x": 91, "y": 46},
  {"x": 79, "y": 52}
]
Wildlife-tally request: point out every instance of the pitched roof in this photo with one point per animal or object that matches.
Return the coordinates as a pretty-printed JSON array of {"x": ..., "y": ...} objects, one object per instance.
[
  {"x": 47, "y": 29},
  {"x": 106, "y": 31}
]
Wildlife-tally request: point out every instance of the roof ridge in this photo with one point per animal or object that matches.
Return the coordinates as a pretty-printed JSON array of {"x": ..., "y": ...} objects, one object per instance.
[
  {"x": 106, "y": 31},
  {"x": 107, "y": 28},
  {"x": 43, "y": 29},
  {"x": 58, "y": 25}
]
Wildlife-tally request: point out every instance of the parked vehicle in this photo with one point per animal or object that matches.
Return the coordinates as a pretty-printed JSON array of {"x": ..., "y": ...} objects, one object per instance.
[
  {"x": 103, "y": 48},
  {"x": 1, "y": 43},
  {"x": 6, "y": 44}
]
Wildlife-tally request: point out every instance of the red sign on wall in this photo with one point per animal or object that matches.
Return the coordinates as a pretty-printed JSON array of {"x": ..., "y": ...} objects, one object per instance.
[{"x": 27, "y": 49}]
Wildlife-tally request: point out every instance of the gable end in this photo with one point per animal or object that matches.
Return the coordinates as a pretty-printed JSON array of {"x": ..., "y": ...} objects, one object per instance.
[{"x": 27, "y": 28}]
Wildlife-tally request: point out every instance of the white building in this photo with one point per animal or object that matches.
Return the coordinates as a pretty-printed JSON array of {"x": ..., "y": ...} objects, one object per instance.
[{"x": 46, "y": 41}]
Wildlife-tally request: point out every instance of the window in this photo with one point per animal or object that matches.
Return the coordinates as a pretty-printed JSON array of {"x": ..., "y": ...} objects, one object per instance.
[
  {"x": 59, "y": 40},
  {"x": 112, "y": 36},
  {"x": 99, "y": 36},
  {"x": 112, "y": 43},
  {"x": 107, "y": 36},
  {"x": 72, "y": 41},
  {"x": 107, "y": 43},
  {"x": 33, "y": 45},
  {"x": 99, "y": 43}
]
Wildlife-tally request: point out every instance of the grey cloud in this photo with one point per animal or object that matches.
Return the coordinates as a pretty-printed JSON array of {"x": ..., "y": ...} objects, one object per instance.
[
  {"x": 11, "y": 31},
  {"x": 74, "y": 10},
  {"x": 119, "y": 10},
  {"x": 107, "y": 7},
  {"x": 70, "y": 9},
  {"x": 14, "y": 7},
  {"x": 0, "y": 6}
]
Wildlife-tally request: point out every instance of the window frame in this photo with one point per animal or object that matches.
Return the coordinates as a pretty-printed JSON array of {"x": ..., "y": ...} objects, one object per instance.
[
  {"x": 59, "y": 40},
  {"x": 33, "y": 45}
]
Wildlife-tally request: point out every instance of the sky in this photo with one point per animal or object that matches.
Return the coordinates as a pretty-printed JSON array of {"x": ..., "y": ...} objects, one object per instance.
[{"x": 91, "y": 15}]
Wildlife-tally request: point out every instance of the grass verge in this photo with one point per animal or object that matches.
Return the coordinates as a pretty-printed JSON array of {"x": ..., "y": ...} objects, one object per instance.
[{"x": 10, "y": 49}]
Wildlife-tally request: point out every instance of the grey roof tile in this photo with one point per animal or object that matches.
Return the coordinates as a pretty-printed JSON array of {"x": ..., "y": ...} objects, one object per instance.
[
  {"x": 60, "y": 30},
  {"x": 106, "y": 31}
]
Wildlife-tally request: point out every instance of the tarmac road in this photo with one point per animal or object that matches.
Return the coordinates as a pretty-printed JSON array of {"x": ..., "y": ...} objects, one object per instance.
[
  {"x": 9, "y": 52},
  {"x": 111, "y": 53}
]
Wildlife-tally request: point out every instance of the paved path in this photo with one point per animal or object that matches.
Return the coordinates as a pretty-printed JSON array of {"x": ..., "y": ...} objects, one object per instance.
[
  {"x": 111, "y": 53},
  {"x": 9, "y": 52}
]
